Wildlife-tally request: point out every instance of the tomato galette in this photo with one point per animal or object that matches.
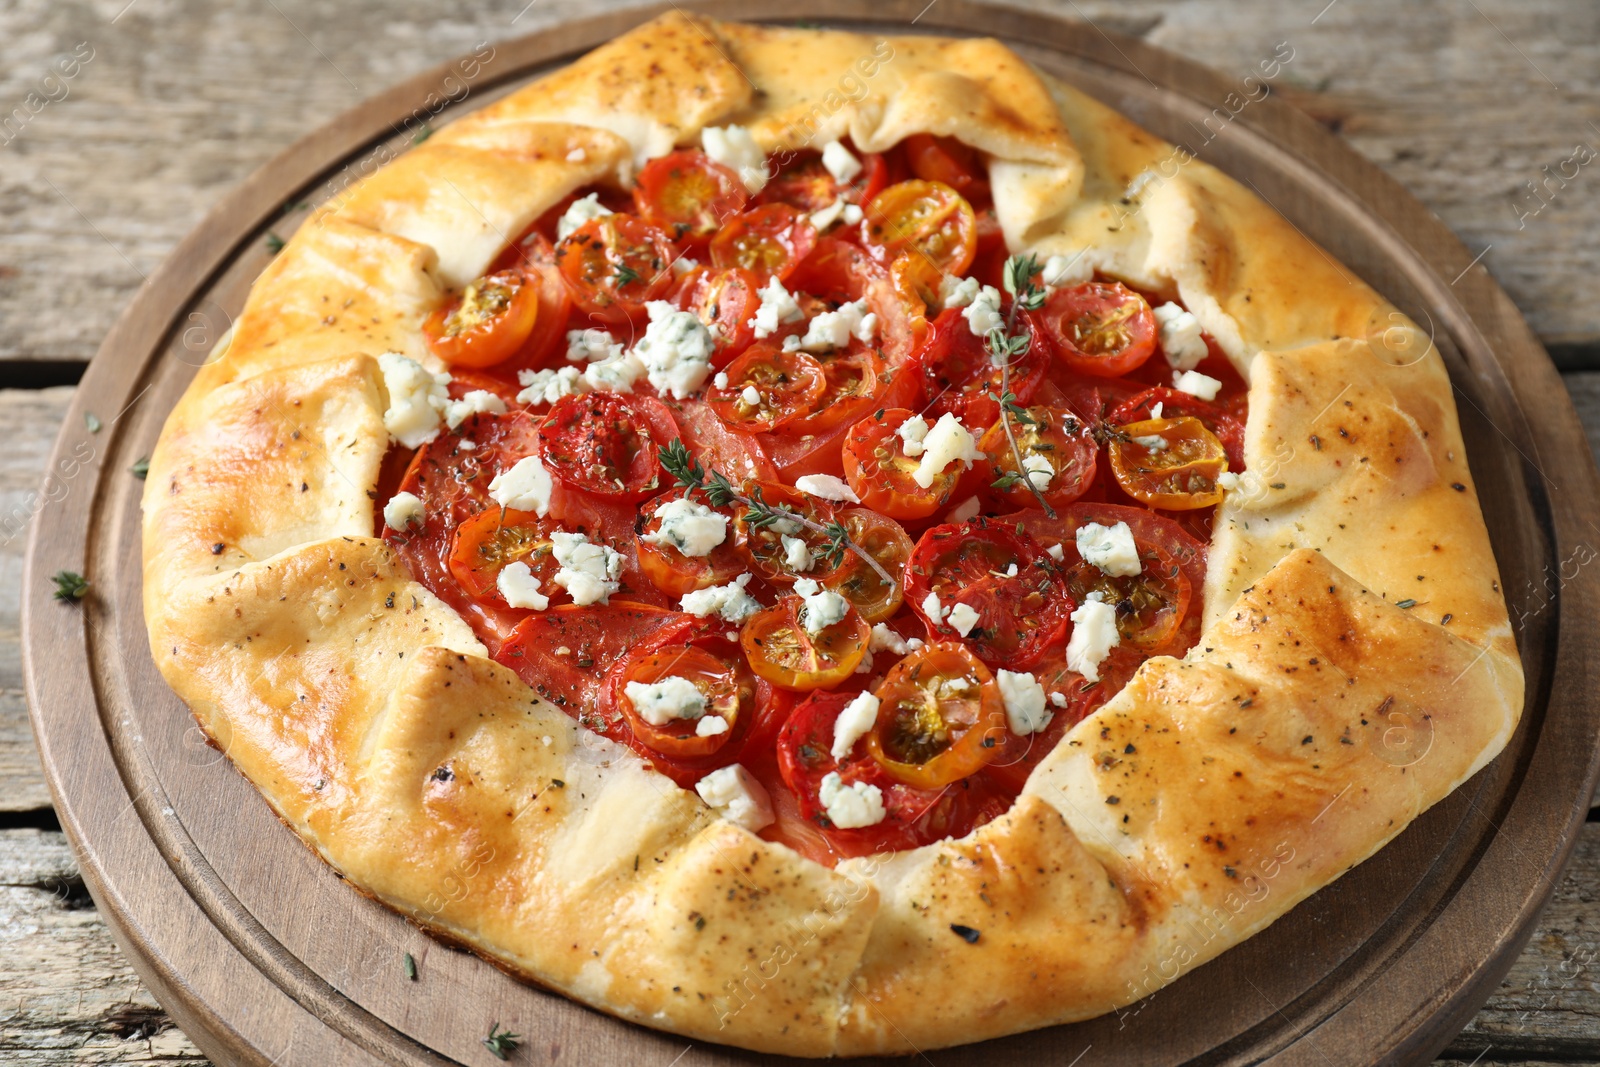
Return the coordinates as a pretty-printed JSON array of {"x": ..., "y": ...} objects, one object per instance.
[{"x": 831, "y": 526}]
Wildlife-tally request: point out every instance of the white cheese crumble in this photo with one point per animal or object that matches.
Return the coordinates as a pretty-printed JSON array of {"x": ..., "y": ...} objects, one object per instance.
[
  {"x": 729, "y": 601},
  {"x": 476, "y": 402},
  {"x": 721, "y": 380},
  {"x": 402, "y": 510},
  {"x": 1227, "y": 480},
  {"x": 853, "y": 214},
  {"x": 683, "y": 265},
  {"x": 588, "y": 571},
  {"x": 548, "y": 386},
  {"x": 840, "y": 161},
  {"x": 1153, "y": 442},
  {"x": 1067, "y": 270},
  {"x": 826, "y": 487},
  {"x": 579, "y": 212},
  {"x": 824, "y": 217},
  {"x": 965, "y": 510},
  {"x": 853, "y": 806},
  {"x": 751, "y": 396},
  {"x": 675, "y": 350},
  {"x": 1058, "y": 699},
  {"x": 962, "y": 618},
  {"x": 778, "y": 307},
  {"x": 658, "y": 703},
  {"x": 822, "y": 610},
  {"x": 1056, "y": 553},
  {"x": 1155, "y": 409},
  {"x": 466, "y": 445},
  {"x": 957, "y": 292},
  {"x": 591, "y": 346},
  {"x": 833, "y": 329},
  {"x": 688, "y": 526},
  {"x": 1024, "y": 701},
  {"x": 912, "y": 433},
  {"x": 1094, "y": 635},
  {"x": 948, "y": 442},
  {"x": 525, "y": 487},
  {"x": 796, "y": 556},
  {"x": 853, "y": 722},
  {"x": 932, "y": 608},
  {"x": 805, "y": 586},
  {"x": 416, "y": 399},
  {"x": 520, "y": 588},
  {"x": 733, "y": 793},
  {"x": 1038, "y": 469},
  {"x": 710, "y": 726},
  {"x": 577, "y": 155},
  {"x": 983, "y": 314},
  {"x": 736, "y": 149},
  {"x": 1111, "y": 548},
  {"x": 886, "y": 640},
  {"x": 614, "y": 375},
  {"x": 1185, "y": 349},
  {"x": 1195, "y": 384}
]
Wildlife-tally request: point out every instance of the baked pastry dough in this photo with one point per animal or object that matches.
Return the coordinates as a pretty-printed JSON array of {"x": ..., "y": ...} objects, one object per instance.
[{"x": 1314, "y": 720}]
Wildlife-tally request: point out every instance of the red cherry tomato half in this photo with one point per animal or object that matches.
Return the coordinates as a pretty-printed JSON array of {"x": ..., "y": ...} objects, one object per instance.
[
  {"x": 882, "y": 475},
  {"x": 491, "y": 541},
  {"x": 487, "y": 323},
  {"x": 688, "y": 195},
  {"x": 767, "y": 388},
  {"x": 720, "y": 678},
  {"x": 726, "y": 298},
  {"x": 769, "y": 242},
  {"x": 607, "y": 443},
  {"x": 947, "y": 160},
  {"x": 940, "y": 717},
  {"x": 1058, "y": 451},
  {"x": 1172, "y": 403},
  {"x": 1100, "y": 328},
  {"x": 808, "y": 186},
  {"x": 929, "y": 219},
  {"x": 1169, "y": 463},
  {"x": 783, "y": 650},
  {"x": 857, "y": 580},
  {"x": 960, "y": 376},
  {"x": 615, "y": 264},
  {"x": 665, "y": 564},
  {"x": 763, "y": 544}
]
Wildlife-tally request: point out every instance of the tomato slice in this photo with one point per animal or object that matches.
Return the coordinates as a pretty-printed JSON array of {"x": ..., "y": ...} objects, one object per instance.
[
  {"x": 917, "y": 281},
  {"x": 855, "y": 579},
  {"x": 726, "y": 298},
  {"x": 563, "y": 653},
  {"x": 880, "y": 472},
  {"x": 808, "y": 186},
  {"x": 1173, "y": 403},
  {"x": 668, "y": 568},
  {"x": 781, "y": 649},
  {"x": 492, "y": 540},
  {"x": 549, "y": 334},
  {"x": 688, "y": 195},
  {"x": 718, "y": 674},
  {"x": 926, "y": 218},
  {"x": 769, "y": 242},
  {"x": 960, "y": 376},
  {"x": 613, "y": 265},
  {"x": 854, "y": 378},
  {"x": 607, "y": 443},
  {"x": 1169, "y": 463},
  {"x": 763, "y": 544},
  {"x": 767, "y": 388},
  {"x": 1103, "y": 329},
  {"x": 1004, "y": 576},
  {"x": 940, "y": 717},
  {"x": 1053, "y": 443},
  {"x": 487, "y": 323},
  {"x": 739, "y": 456},
  {"x": 948, "y": 161}
]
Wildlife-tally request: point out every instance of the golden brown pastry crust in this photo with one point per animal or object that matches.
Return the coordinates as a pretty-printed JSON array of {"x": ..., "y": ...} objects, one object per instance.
[{"x": 1315, "y": 719}]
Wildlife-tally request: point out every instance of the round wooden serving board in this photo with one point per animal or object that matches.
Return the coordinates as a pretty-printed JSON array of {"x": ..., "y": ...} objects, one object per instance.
[{"x": 263, "y": 957}]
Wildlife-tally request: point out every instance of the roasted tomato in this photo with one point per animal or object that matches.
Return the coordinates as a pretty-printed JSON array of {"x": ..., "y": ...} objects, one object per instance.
[
  {"x": 726, "y": 298},
  {"x": 767, "y": 388},
  {"x": 784, "y": 550},
  {"x": 917, "y": 281},
  {"x": 563, "y": 653},
  {"x": 1058, "y": 457},
  {"x": 884, "y": 477},
  {"x": 929, "y": 219},
  {"x": 1164, "y": 403},
  {"x": 993, "y": 587},
  {"x": 769, "y": 242},
  {"x": 615, "y": 264},
  {"x": 665, "y": 559},
  {"x": 648, "y": 689},
  {"x": 807, "y": 185},
  {"x": 688, "y": 195},
  {"x": 1103, "y": 329},
  {"x": 960, "y": 376},
  {"x": 940, "y": 717},
  {"x": 491, "y": 541},
  {"x": 949, "y": 162},
  {"x": 783, "y": 648},
  {"x": 857, "y": 580},
  {"x": 607, "y": 443},
  {"x": 854, "y": 379},
  {"x": 1169, "y": 463},
  {"x": 487, "y": 323}
]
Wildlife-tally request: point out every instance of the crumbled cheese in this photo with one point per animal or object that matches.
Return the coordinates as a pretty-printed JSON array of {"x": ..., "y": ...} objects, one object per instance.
[
  {"x": 912, "y": 433},
  {"x": 932, "y": 608},
  {"x": 581, "y": 211},
  {"x": 751, "y": 395},
  {"x": 1152, "y": 442},
  {"x": 1067, "y": 270},
  {"x": 833, "y": 329},
  {"x": 840, "y": 161},
  {"x": 588, "y": 571},
  {"x": 577, "y": 155},
  {"x": 591, "y": 346},
  {"x": 683, "y": 265},
  {"x": 1058, "y": 699},
  {"x": 948, "y": 442},
  {"x": 778, "y": 307},
  {"x": 525, "y": 487},
  {"x": 710, "y": 726},
  {"x": 1155, "y": 409},
  {"x": 1056, "y": 553},
  {"x": 616, "y": 374},
  {"x": 853, "y": 806},
  {"x": 736, "y": 149},
  {"x": 791, "y": 342},
  {"x": 1094, "y": 635},
  {"x": 548, "y": 386},
  {"x": 520, "y": 588},
  {"x": 729, "y": 601},
  {"x": 466, "y": 445},
  {"x": 1195, "y": 384},
  {"x": 805, "y": 586},
  {"x": 721, "y": 380},
  {"x": 957, "y": 292},
  {"x": 1181, "y": 342},
  {"x": 688, "y": 526},
  {"x": 822, "y": 218},
  {"x": 983, "y": 314},
  {"x": 853, "y": 722},
  {"x": 733, "y": 793},
  {"x": 796, "y": 556},
  {"x": 964, "y": 510},
  {"x": 887, "y": 640},
  {"x": 962, "y": 618},
  {"x": 822, "y": 610},
  {"x": 658, "y": 703},
  {"x": 402, "y": 510},
  {"x": 416, "y": 399},
  {"x": 1039, "y": 470},
  {"x": 865, "y": 666},
  {"x": 1024, "y": 700},
  {"x": 675, "y": 350},
  {"x": 474, "y": 402},
  {"x": 1111, "y": 548},
  {"x": 1226, "y": 480},
  {"x": 826, "y": 487}
]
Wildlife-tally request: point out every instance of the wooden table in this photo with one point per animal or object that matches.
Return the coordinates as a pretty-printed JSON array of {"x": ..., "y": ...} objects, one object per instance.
[{"x": 1473, "y": 104}]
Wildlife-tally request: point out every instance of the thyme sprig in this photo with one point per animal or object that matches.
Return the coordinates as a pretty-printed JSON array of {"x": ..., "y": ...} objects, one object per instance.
[
  {"x": 501, "y": 1043},
  {"x": 1005, "y": 345},
  {"x": 677, "y": 461}
]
